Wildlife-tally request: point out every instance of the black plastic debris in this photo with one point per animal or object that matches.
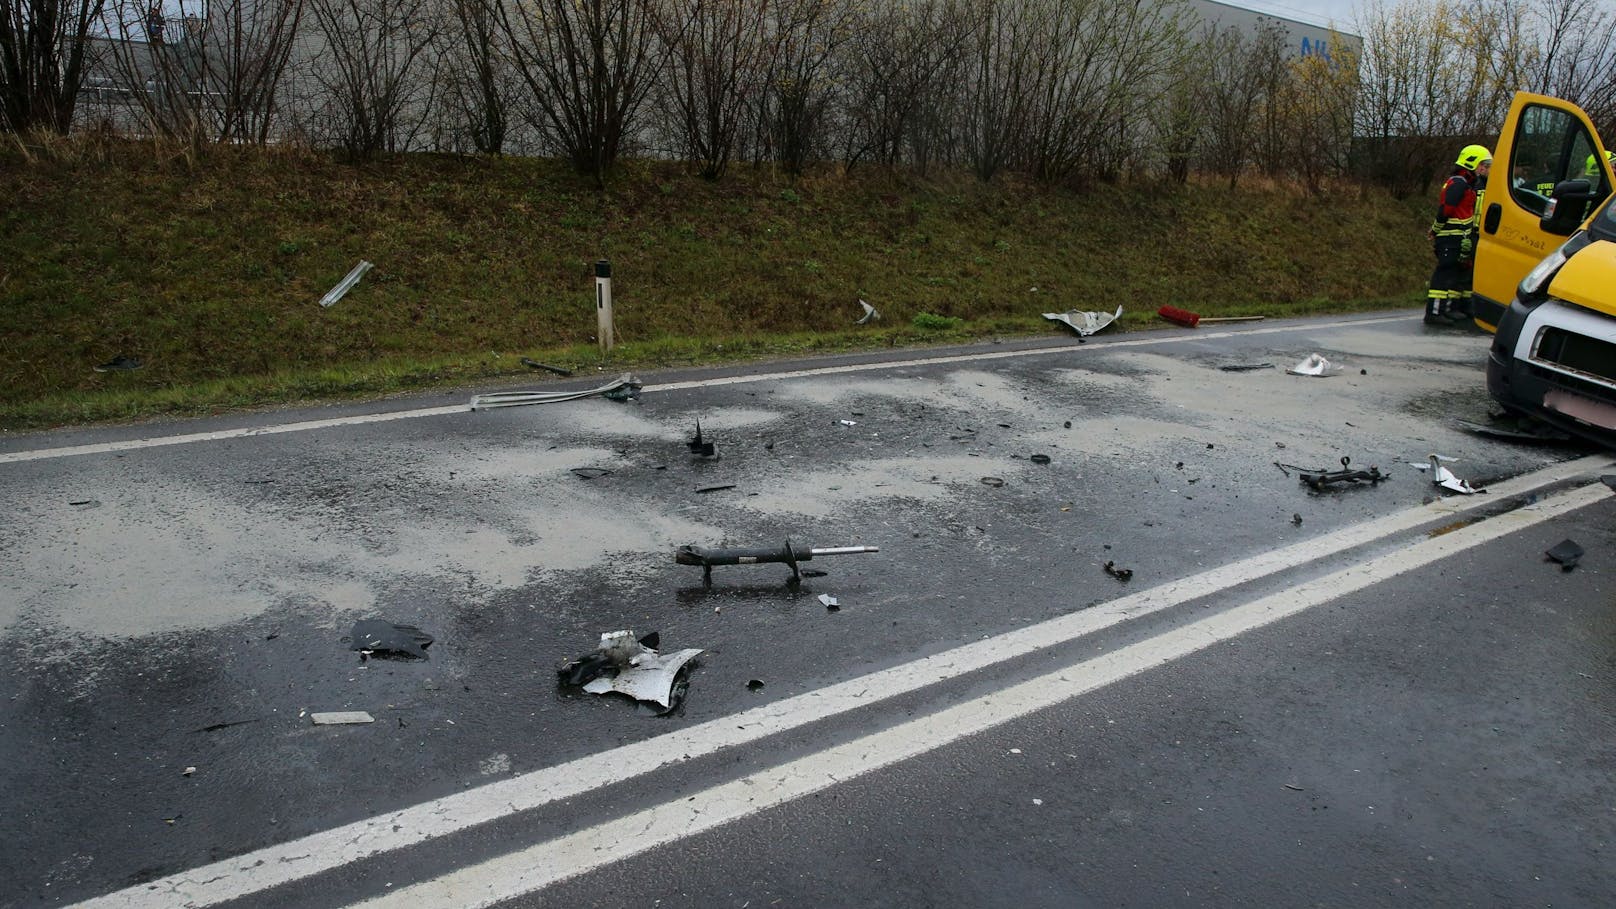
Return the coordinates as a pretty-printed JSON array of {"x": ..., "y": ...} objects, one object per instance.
[
  {"x": 382, "y": 638},
  {"x": 699, "y": 446},
  {"x": 625, "y": 392},
  {"x": 995, "y": 482},
  {"x": 719, "y": 488},
  {"x": 1322, "y": 479},
  {"x": 1297, "y": 519},
  {"x": 1039, "y": 459},
  {"x": 590, "y": 473},
  {"x": 120, "y": 363},
  {"x": 1245, "y": 367},
  {"x": 1121, "y": 574},
  {"x": 535, "y": 364},
  {"x": 1513, "y": 429},
  {"x": 1565, "y": 552},
  {"x": 754, "y": 685},
  {"x": 1609, "y": 479}
]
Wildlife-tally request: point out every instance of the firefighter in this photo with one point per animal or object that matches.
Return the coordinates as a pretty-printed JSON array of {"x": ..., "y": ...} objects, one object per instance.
[{"x": 1453, "y": 236}]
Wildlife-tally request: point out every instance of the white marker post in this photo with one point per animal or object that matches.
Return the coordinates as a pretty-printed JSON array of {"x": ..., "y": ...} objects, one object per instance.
[{"x": 603, "y": 304}]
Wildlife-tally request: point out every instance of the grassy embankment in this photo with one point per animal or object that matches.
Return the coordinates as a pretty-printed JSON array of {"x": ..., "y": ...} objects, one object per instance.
[{"x": 211, "y": 275}]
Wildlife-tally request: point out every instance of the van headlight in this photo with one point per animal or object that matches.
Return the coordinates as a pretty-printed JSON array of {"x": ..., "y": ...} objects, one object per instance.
[{"x": 1536, "y": 283}]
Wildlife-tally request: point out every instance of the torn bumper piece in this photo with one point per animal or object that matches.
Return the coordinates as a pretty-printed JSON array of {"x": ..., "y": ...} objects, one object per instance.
[
  {"x": 622, "y": 388},
  {"x": 624, "y": 665},
  {"x": 1083, "y": 322}
]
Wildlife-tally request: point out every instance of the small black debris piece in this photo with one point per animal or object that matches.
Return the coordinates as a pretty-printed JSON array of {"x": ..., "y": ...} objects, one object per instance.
[
  {"x": 1121, "y": 574},
  {"x": 1068, "y": 424},
  {"x": 995, "y": 482},
  {"x": 1245, "y": 367},
  {"x": 1296, "y": 519},
  {"x": 1039, "y": 459},
  {"x": 120, "y": 363},
  {"x": 719, "y": 488},
  {"x": 590, "y": 473},
  {"x": 754, "y": 685},
  {"x": 535, "y": 364},
  {"x": 385, "y": 639},
  {"x": 700, "y": 447},
  {"x": 1566, "y": 552},
  {"x": 1609, "y": 479}
]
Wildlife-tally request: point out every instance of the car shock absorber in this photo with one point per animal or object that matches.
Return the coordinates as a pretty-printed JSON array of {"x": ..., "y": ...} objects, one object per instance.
[{"x": 787, "y": 554}]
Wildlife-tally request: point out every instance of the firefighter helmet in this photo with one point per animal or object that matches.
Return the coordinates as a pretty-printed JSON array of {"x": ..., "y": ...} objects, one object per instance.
[{"x": 1473, "y": 156}]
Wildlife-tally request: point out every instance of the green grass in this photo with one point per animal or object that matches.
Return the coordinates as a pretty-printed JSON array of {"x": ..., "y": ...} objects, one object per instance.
[{"x": 211, "y": 274}]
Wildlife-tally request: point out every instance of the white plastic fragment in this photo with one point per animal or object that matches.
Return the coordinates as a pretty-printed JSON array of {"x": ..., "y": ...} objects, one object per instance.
[
  {"x": 346, "y": 284},
  {"x": 1314, "y": 365},
  {"x": 649, "y": 677},
  {"x": 1445, "y": 478},
  {"x": 849, "y": 422},
  {"x": 870, "y": 314},
  {"x": 341, "y": 718},
  {"x": 1084, "y": 322},
  {"x": 827, "y": 600}
]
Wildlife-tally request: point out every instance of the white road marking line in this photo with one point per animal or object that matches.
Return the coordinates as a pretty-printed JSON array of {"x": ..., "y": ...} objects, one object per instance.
[
  {"x": 44, "y": 454},
  {"x": 535, "y": 867},
  {"x": 316, "y": 853}
]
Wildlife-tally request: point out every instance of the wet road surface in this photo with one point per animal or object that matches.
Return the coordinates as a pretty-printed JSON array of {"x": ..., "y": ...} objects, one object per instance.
[{"x": 189, "y": 612}]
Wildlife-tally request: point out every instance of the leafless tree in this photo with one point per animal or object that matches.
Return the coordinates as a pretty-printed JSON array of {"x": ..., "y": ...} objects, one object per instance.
[
  {"x": 375, "y": 94},
  {"x": 717, "y": 54},
  {"x": 793, "y": 110},
  {"x": 995, "y": 86},
  {"x": 477, "y": 76},
  {"x": 44, "y": 49},
  {"x": 892, "y": 66},
  {"x": 587, "y": 67}
]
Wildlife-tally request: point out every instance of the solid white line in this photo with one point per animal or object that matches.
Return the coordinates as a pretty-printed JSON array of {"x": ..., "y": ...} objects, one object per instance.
[
  {"x": 538, "y": 866},
  {"x": 43, "y": 454},
  {"x": 319, "y": 852}
]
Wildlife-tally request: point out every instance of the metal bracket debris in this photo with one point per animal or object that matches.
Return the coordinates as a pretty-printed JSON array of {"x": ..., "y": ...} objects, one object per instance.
[
  {"x": 346, "y": 284},
  {"x": 622, "y": 388},
  {"x": 535, "y": 364},
  {"x": 787, "y": 554},
  {"x": 632, "y": 667},
  {"x": 1318, "y": 480},
  {"x": 1445, "y": 478},
  {"x": 700, "y": 447},
  {"x": 1083, "y": 322}
]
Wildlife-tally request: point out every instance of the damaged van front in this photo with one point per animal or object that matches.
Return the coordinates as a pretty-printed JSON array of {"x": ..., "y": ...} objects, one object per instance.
[{"x": 1548, "y": 248}]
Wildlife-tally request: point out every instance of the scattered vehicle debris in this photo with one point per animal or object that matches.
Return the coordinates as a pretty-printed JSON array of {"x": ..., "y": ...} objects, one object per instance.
[
  {"x": 995, "y": 482},
  {"x": 624, "y": 387},
  {"x": 1566, "y": 552},
  {"x": 1297, "y": 519},
  {"x": 870, "y": 314},
  {"x": 535, "y": 364},
  {"x": 1609, "y": 479},
  {"x": 218, "y": 726},
  {"x": 1314, "y": 365},
  {"x": 341, "y": 718},
  {"x": 787, "y": 554},
  {"x": 1245, "y": 367},
  {"x": 830, "y": 602},
  {"x": 187, "y": 771},
  {"x": 1321, "y": 479},
  {"x": 701, "y": 447},
  {"x": 120, "y": 363},
  {"x": 381, "y": 638},
  {"x": 1445, "y": 478},
  {"x": 1039, "y": 459},
  {"x": 1083, "y": 322},
  {"x": 346, "y": 284},
  {"x": 754, "y": 685},
  {"x": 848, "y": 422},
  {"x": 633, "y": 667},
  {"x": 719, "y": 488},
  {"x": 1121, "y": 574},
  {"x": 590, "y": 473}
]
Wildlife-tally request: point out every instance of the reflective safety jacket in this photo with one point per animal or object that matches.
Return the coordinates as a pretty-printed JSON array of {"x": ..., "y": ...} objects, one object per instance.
[{"x": 1456, "y": 207}]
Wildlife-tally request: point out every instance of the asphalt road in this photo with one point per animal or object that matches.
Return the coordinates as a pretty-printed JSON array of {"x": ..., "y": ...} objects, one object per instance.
[{"x": 1375, "y": 696}]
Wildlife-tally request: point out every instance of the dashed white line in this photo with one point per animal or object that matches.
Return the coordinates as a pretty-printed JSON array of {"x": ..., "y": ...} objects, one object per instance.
[{"x": 266, "y": 868}]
